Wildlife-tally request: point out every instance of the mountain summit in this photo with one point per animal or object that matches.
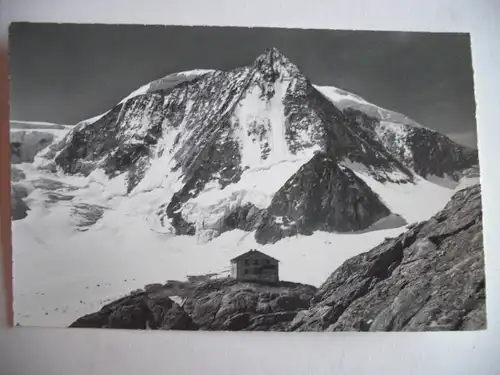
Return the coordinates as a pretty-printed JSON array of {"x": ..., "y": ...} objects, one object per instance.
[
  {"x": 256, "y": 148},
  {"x": 273, "y": 64}
]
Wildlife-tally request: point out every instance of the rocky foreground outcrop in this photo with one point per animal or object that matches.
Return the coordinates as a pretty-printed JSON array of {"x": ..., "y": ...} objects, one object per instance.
[
  {"x": 429, "y": 278},
  {"x": 223, "y": 304},
  {"x": 19, "y": 208}
]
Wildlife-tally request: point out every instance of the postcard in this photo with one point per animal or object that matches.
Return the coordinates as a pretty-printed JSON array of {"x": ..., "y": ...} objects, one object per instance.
[{"x": 244, "y": 179}]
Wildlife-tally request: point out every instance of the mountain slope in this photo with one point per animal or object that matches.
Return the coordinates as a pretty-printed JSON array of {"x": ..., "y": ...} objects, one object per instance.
[
  {"x": 424, "y": 151},
  {"x": 346, "y": 100},
  {"x": 213, "y": 132},
  {"x": 321, "y": 195}
]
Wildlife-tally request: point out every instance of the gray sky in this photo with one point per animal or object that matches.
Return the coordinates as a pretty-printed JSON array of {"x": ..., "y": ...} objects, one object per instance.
[{"x": 64, "y": 73}]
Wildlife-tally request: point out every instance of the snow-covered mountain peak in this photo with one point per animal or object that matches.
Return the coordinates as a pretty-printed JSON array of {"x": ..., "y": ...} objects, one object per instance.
[
  {"x": 272, "y": 54},
  {"x": 272, "y": 63},
  {"x": 238, "y": 149}
]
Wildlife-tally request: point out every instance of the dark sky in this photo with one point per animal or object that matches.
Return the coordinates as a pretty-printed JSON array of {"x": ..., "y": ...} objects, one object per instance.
[{"x": 64, "y": 73}]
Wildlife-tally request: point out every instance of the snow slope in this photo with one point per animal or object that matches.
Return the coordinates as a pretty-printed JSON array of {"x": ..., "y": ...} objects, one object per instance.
[
  {"x": 140, "y": 91},
  {"x": 344, "y": 99},
  {"x": 340, "y": 97},
  {"x": 195, "y": 72}
]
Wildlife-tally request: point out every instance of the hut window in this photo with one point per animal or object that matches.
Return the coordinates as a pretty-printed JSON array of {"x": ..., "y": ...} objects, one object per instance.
[{"x": 256, "y": 262}]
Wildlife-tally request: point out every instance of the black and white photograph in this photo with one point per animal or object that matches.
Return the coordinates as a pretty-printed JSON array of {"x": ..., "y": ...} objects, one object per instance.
[{"x": 244, "y": 179}]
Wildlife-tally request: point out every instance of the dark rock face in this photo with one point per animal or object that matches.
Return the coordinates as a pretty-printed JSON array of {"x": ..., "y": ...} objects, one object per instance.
[
  {"x": 19, "y": 208},
  {"x": 246, "y": 217},
  {"x": 138, "y": 311},
  {"x": 223, "y": 304},
  {"x": 84, "y": 215},
  {"x": 346, "y": 139},
  {"x": 229, "y": 305},
  {"x": 429, "y": 278},
  {"x": 435, "y": 154},
  {"x": 220, "y": 157},
  {"x": 111, "y": 143},
  {"x": 16, "y": 174},
  {"x": 277, "y": 321},
  {"x": 321, "y": 196},
  {"x": 52, "y": 185}
]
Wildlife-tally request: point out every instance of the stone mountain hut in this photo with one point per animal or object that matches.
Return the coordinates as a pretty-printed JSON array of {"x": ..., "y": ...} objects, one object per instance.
[{"x": 255, "y": 266}]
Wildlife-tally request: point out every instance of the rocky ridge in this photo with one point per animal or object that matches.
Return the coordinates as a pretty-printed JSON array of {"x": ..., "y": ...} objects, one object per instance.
[
  {"x": 422, "y": 150},
  {"x": 429, "y": 278},
  {"x": 223, "y": 304}
]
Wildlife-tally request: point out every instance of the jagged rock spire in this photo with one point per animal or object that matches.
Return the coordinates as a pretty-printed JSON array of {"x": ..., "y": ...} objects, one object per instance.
[
  {"x": 273, "y": 64},
  {"x": 272, "y": 53}
]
